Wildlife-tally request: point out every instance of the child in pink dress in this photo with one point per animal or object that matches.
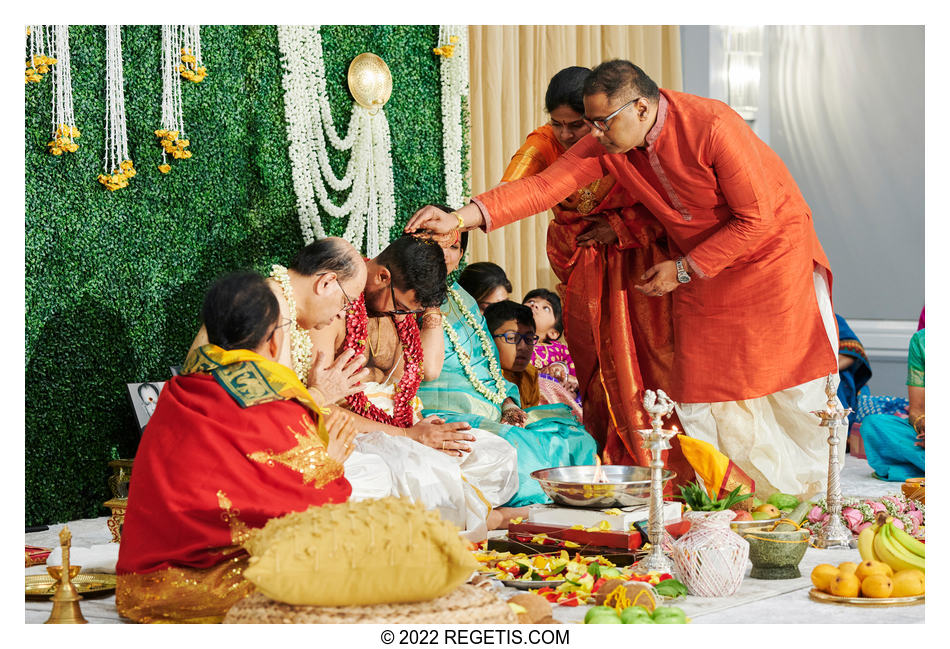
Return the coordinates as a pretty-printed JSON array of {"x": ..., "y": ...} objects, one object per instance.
[{"x": 550, "y": 356}]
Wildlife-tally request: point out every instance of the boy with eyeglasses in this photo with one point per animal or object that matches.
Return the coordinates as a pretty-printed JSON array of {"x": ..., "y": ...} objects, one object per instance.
[{"x": 512, "y": 327}]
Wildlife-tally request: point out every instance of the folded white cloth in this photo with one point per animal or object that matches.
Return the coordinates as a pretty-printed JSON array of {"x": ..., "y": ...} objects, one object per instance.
[
  {"x": 98, "y": 558},
  {"x": 463, "y": 490}
]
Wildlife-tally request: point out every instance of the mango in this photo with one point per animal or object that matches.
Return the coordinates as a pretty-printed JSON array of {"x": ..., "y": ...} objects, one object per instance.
[
  {"x": 783, "y": 501},
  {"x": 877, "y": 586}
]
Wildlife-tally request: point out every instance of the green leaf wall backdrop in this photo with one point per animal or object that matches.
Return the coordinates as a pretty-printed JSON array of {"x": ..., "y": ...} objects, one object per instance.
[{"x": 115, "y": 280}]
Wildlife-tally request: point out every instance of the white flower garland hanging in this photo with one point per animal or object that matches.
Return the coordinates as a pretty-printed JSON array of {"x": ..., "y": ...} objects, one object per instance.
[
  {"x": 64, "y": 121},
  {"x": 370, "y": 207},
  {"x": 117, "y": 166},
  {"x": 171, "y": 135},
  {"x": 40, "y": 53},
  {"x": 453, "y": 48},
  {"x": 499, "y": 394}
]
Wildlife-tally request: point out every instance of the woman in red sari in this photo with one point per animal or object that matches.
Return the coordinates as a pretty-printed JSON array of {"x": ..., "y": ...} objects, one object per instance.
[
  {"x": 235, "y": 441},
  {"x": 621, "y": 341}
]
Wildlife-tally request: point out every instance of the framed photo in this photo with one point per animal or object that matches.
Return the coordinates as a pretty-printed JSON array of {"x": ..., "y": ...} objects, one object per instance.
[{"x": 144, "y": 398}]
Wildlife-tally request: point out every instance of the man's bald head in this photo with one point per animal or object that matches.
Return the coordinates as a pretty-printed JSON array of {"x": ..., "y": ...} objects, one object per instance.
[{"x": 329, "y": 255}]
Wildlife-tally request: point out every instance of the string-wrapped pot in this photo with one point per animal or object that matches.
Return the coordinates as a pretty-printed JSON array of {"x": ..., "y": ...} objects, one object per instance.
[{"x": 710, "y": 558}]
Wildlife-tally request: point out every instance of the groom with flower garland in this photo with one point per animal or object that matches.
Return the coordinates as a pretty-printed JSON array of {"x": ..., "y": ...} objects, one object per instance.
[
  {"x": 463, "y": 473},
  {"x": 445, "y": 466}
]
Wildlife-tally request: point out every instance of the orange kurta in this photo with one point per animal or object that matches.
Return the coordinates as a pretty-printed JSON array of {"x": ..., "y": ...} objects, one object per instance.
[
  {"x": 749, "y": 326},
  {"x": 621, "y": 341}
]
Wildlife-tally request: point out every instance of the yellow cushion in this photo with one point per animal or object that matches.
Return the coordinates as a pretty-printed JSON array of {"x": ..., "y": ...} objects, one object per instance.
[{"x": 354, "y": 554}]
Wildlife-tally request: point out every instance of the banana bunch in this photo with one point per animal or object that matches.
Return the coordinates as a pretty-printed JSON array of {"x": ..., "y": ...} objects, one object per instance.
[{"x": 884, "y": 541}]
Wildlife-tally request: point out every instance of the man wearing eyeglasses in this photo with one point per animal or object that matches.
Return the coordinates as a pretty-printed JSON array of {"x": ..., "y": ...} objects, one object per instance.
[
  {"x": 754, "y": 332},
  {"x": 449, "y": 466},
  {"x": 316, "y": 284}
]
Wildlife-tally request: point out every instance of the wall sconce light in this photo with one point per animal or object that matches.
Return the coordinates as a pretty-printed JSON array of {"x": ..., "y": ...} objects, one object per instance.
[{"x": 743, "y": 68}]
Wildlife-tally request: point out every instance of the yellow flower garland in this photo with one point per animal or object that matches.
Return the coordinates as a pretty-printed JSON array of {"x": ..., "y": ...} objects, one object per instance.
[
  {"x": 63, "y": 142},
  {"x": 189, "y": 69},
  {"x": 119, "y": 178}
]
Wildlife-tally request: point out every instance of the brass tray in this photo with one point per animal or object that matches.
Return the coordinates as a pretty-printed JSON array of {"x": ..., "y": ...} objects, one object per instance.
[
  {"x": 369, "y": 80},
  {"x": 820, "y": 596},
  {"x": 87, "y": 583}
]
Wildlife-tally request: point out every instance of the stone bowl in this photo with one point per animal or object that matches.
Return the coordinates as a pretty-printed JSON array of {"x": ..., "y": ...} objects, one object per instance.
[{"x": 776, "y": 555}]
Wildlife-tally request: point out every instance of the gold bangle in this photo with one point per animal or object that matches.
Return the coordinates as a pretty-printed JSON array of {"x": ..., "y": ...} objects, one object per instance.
[
  {"x": 461, "y": 221},
  {"x": 917, "y": 421}
]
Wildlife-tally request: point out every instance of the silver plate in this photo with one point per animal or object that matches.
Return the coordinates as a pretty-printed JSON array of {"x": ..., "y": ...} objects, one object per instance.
[
  {"x": 528, "y": 584},
  {"x": 576, "y": 486}
]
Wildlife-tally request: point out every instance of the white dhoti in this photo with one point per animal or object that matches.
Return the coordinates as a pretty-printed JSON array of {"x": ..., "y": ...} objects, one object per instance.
[
  {"x": 775, "y": 438},
  {"x": 463, "y": 489}
]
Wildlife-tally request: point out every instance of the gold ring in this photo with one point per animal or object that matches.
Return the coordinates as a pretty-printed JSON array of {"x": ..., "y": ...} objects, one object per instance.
[
  {"x": 346, "y": 446},
  {"x": 443, "y": 444}
]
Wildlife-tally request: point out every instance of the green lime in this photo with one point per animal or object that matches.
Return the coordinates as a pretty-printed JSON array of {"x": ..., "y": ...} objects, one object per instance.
[
  {"x": 596, "y": 611},
  {"x": 669, "y": 615},
  {"x": 635, "y": 615}
]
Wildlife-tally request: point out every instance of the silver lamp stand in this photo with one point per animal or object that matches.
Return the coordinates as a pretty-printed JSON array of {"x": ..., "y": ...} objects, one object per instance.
[
  {"x": 834, "y": 533},
  {"x": 656, "y": 440}
]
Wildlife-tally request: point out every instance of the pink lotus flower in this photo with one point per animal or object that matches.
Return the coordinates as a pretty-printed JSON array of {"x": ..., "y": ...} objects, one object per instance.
[
  {"x": 857, "y": 530},
  {"x": 916, "y": 517},
  {"x": 852, "y": 517},
  {"x": 876, "y": 506},
  {"x": 898, "y": 523},
  {"x": 815, "y": 514},
  {"x": 897, "y": 503}
]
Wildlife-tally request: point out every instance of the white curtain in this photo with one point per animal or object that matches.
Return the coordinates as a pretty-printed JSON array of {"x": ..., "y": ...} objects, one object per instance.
[{"x": 510, "y": 67}]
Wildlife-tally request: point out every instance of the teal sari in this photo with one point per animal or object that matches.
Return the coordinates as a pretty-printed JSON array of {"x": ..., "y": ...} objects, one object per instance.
[{"x": 553, "y": 436}]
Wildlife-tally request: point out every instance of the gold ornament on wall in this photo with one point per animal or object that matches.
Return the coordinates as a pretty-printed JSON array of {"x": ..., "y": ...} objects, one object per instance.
[{"x": 369, "y": 80}]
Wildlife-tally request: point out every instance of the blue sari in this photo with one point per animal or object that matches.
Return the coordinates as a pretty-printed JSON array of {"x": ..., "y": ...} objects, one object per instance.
[
  {"x": 552, "y": 437},
  {"x": 891, "y": 441},
  {"x": 853, "y": 380}
]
